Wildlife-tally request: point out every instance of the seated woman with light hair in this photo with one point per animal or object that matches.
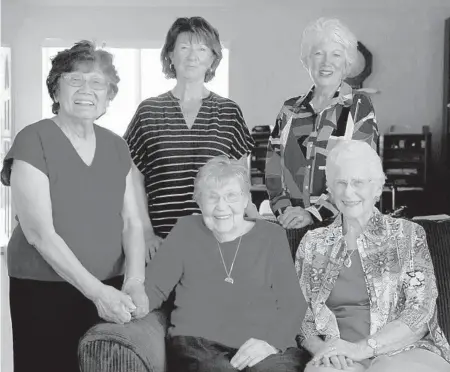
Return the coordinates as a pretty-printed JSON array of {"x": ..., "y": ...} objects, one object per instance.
[
  {"x": 368, "y": 279},
  {"x": 238, "y": 304},
  {"x": 308, "y": 126}
]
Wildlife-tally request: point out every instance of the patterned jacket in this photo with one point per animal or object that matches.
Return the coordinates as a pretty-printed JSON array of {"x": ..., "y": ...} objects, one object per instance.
[
  {"x": 300, "y": 142},
  {"x": 398, "y": 272}
]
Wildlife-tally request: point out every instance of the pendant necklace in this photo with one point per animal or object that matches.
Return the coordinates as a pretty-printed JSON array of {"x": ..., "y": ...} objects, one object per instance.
[
  {"x": 348, "y": 259},
  {"x": 229, "y": 279}
]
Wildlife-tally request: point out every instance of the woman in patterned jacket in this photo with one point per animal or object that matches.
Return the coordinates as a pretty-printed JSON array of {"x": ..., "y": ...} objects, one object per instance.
[
  {"x": 307, "y": 126},
  {"x": 368, "y": 279}
]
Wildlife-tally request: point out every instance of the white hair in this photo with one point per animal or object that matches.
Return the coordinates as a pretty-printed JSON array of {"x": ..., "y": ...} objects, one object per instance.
[
  {"x": 218, "y": 171},
  {"x": 333, "y": 29},
  {"x": 350, "y": 150}
]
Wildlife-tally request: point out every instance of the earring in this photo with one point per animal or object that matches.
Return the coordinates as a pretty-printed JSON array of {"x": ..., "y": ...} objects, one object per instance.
[
  {"x": 172, "y": 67},
  {"x": 377, "y": 199}
]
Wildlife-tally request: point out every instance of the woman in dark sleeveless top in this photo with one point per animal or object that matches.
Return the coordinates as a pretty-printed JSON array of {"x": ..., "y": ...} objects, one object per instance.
[{"x": 78, "y": 228}]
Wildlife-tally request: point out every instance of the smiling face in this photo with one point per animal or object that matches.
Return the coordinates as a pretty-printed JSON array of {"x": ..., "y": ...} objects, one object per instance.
[
  {"x": 191, "y": 57},
  {"x": 223, "y": 207},
  {"x": 353, "y": 191},
  {"x": 327, "y": 65},
  {"x": 87, "y": 101}
]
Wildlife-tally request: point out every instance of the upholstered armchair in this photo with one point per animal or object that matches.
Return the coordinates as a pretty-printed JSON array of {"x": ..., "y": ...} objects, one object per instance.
[{"x": 139, "y": 346}]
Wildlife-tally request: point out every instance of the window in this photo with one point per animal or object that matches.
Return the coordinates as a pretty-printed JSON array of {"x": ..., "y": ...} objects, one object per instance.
[{"x": 141, "y": 77}]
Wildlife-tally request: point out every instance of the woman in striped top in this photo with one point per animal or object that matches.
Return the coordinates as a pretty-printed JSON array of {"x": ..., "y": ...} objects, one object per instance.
[{"x": 171, "y": 136}]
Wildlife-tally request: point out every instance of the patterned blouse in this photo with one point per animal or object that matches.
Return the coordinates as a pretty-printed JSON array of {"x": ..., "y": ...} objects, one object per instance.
[
  {"x": 399, "y": 276},
  {"x": 300, "y": 142}
]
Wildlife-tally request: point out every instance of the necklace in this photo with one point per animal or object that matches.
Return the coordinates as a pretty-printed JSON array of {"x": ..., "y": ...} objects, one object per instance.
[
  {"x": 229, "y": 279},
  {"x": 348, "y": 259}
]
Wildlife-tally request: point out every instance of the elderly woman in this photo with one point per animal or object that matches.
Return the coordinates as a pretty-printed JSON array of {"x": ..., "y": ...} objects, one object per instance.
[
  {"x": 238, "y": 304},
  {"x": 171, "y": 136},
  {"x": 79, "y": 229},
  {"x": 368, "y": 279},
  {"x": 307, "y": 126}
]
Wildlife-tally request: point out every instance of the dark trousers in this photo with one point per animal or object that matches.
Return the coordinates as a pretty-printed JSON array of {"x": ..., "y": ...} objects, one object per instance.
[
  {"x": 196, "y": 354},
  {"x": 48, "y": 319}
]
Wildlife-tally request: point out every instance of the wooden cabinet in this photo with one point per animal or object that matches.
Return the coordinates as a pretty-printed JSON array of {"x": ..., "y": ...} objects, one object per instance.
[{"x": 406, "y": 163}]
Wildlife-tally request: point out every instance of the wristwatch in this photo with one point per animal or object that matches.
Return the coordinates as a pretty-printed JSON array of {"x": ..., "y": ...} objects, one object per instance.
[{"x": 374, "y": 345}]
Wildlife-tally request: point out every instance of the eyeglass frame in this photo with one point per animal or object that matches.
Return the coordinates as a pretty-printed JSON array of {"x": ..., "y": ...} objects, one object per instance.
[
  {"x": 365, "y": 182},
  {"x": 67, "y": 78},
  {"x": 225, "y": 197}
]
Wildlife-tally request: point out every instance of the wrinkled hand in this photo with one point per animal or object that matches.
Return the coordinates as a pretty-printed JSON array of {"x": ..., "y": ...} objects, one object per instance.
[
  {"x": 295, "y": 218},
  {"x": 113, "y": 305},
  {"x": 152, "y": 243},
  {"x": 339, "y": 348},
  {"x": 252, "y": 352},
  {"x": 136, "y": 291},
  {"x": 338, "y": 362}
]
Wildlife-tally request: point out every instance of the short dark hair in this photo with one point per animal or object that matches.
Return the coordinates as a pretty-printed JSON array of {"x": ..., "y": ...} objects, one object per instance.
[
  {"x": 68, "y": 59},
  {"x": 199, "y": 27}
]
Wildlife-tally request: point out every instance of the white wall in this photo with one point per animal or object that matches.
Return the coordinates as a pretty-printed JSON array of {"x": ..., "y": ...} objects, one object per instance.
[{"x": 405, "y": 37}]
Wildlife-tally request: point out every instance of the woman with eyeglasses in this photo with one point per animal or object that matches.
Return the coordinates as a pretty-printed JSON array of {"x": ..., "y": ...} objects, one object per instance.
[
  {"x": 77, "y": 254},
  {"x": 238, "y": 304},
  {"x": 368, "y": 279}
]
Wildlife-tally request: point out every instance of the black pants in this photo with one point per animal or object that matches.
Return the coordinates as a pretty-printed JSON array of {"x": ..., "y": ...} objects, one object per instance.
[
  {"x": 196, "y": 354},
  {"x": 48, "y": 319}
]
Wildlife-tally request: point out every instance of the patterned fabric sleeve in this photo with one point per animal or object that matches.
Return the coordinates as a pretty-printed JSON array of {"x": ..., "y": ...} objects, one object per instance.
[
  {"x": 243, "y": 141},
  {"x": 366, "y": 129},
  {"x": 302, "y": 265},
  {"x": 135, "y": 140},
  {"x": 419, "y": 283},
  {"x": 278, "y": 194}
]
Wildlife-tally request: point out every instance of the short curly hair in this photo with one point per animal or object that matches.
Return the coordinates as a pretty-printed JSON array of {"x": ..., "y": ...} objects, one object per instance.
[
  {"x": 199, "y": 27},
  {"x": 334, "y": 29},
  {"x": 68, "y": 60},
  {"x": 219, "y": 170}
]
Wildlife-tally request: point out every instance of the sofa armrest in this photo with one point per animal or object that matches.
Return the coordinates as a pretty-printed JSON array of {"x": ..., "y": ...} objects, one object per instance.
[{"x": 138, "y": 346}]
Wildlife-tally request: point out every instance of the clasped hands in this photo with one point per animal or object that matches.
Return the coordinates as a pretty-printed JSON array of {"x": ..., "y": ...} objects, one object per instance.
[
  {"x": 122, "y": 306},
  {"x": 339, "y": 354},
  {"x": 295, "y": 218},
  {"x": 252, "y": 352}
]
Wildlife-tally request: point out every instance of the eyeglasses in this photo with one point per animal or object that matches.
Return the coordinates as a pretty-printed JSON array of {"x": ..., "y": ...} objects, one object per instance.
[
  {"x": 77, "y": 79},
  {"x": 355, "y": 183},
  {"x": 231, "y": 197}
]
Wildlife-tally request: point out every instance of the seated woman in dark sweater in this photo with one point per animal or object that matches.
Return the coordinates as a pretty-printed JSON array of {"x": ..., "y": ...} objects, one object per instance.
[{"x": 238, "y": 303}]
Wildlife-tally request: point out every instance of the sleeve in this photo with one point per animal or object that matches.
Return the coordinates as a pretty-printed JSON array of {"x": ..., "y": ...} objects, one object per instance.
[
  {"x": 166, "y": 269},
  {"x": 134, "y": 136},
  {"x": 366, "y": 127},
  {"x": 28, "y": 147},
  {"x": 303, "y": 264},
  {"x": 278, "y": 195},
  {"x": 124, "y": 154},
  {"x": 291, "y": 304},
  {"x": 418, "y": 283},
  {"x": 243, "y": 142}
]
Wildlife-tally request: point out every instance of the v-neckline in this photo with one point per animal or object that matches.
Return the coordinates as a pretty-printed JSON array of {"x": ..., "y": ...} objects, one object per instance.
[
  {"x": 89, "y": 166},
  {"x": 177, "y": 100}
]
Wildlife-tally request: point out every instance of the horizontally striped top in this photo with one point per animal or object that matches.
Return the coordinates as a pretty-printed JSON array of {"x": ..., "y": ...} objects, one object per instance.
[{"x": 169, "y": 154}]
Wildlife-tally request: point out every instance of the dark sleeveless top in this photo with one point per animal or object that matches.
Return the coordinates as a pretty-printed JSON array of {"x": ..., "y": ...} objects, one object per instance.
[{"x": 86, "y": 200}]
